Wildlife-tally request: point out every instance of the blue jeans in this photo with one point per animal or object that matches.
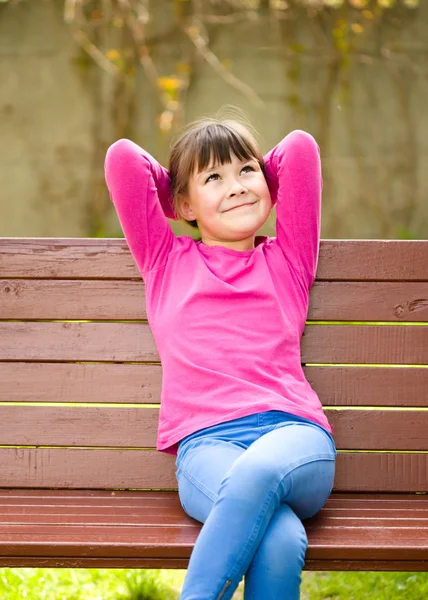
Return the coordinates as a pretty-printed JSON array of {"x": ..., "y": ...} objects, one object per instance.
[{"x": 252, "y": 481}]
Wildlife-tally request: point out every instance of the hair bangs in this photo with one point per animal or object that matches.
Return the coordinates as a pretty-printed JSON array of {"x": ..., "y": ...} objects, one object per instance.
[{"x": 217, "y": 144}]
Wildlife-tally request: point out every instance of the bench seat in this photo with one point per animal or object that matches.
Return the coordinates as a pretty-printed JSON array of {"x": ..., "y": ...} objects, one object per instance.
[
  {"x": 80, "y": 391},
  {"x": 72, "y": 528}
]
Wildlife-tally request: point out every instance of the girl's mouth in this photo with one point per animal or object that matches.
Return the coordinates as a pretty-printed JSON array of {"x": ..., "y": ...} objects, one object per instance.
[{"x": 241, "y": 206}]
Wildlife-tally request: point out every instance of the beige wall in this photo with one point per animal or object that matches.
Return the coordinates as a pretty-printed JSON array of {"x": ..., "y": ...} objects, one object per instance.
[{"x": 370, "y": 119}]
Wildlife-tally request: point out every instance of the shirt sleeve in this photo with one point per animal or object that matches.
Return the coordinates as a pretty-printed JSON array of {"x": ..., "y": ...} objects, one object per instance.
[
  {"x": 138, "y": 185},
  {"x": 293, "y": 173}
]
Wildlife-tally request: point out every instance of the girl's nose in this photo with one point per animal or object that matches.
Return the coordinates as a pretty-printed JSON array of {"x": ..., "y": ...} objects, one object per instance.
[{"x": 237, "y": 189}]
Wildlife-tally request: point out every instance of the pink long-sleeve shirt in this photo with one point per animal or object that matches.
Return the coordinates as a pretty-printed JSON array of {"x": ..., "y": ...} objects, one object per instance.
[{"x": 227, "y": 324}]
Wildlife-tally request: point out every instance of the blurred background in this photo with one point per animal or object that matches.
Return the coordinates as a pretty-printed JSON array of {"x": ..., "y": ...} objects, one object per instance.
[{"x": 76, "y": 75}]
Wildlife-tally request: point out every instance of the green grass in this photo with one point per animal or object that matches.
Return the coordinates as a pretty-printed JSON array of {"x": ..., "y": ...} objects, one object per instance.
[
  {"x": 355, "y": 586},
  {"x": 134, "y": 584},
  {"x": 86, "y": 584}
]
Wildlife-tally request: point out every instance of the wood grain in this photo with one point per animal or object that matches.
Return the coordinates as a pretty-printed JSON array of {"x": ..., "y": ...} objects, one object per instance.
[
  {"x": 141, "y": 384},
  {"x": 106, "y": 299},
  {"x": 124, "y": 427},
  {"x": 372, "y": 344},
  {"x": 369, "y": 386},
  {"x": 77, "y": 342},
  {"x": 394, "y": 344},
  {"x": 93, "y": 299},
  {"x": 89, "y": 258},
  {"x": 82, "y": 468},
  {"x": 73, "y": 382},
  {"x": 340, "y": 536},
  {"x": 76, "y": 562}
]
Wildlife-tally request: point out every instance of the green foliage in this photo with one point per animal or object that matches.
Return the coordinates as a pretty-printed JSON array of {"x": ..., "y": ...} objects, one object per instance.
[
  {"x": 137, "y": 584},
  {"x": 84, "y": 584},
  {"x": 128, "y": 27},
  {"x": 358, "y": 586},
  {"x": 404, "y": 233}
]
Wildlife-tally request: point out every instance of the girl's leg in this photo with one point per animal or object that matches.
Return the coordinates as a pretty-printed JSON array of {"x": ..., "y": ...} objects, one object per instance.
[
  {"x": 200, "y": 473},
  {"x": 293, "y": 464},
  {"x": 276, "y": 569}
]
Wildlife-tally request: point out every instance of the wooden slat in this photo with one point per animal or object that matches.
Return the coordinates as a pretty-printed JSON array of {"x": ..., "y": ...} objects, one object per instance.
[
  {"x": 98, "y": 500},
  {"x": 76, "y": 258},
  {"x": 381, "y": 472},
  {"x": 77, "y": 341},
  {"x": 127, "y": 383},
  {"x": 368, "y": 301},
  {"x": 388, "y": 344},
  {"x": 361, "y": 565},
  {"x": 137, "y": 427},
  {"x": 152, "y": 507},
  {"x": 105, "y": 299},
  {"x": 129, "y": 519},
  {"x": 368, "y": 386},
  {"x": 159, "y": 504},
  {"x": 102, "y": 299},
  {"x": 72, "y": 258},
  {"x": 86, "y": 468},
  {"x": 74, "y": 426},
  {"x": 408, "y": 521},
  {"x": 373, "y": 260},
  {"x": 343, "y": 500},
  {"x": 164, "y": 540},
  {"x": 148, "y": 469},
  {"x": 380, "y": 429},
  {"x": 68, "y": 382},
  {"x": 151, "y": 511},
  {"x": 182, "y": 563},
  {"x": 83, "y": 562},
  {"x": 394, "y": 344}
]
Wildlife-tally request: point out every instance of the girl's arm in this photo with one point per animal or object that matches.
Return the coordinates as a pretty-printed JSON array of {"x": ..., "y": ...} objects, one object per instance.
[
  {"x": 293, "y": 173},
  {"x": 139, "y": 188}
]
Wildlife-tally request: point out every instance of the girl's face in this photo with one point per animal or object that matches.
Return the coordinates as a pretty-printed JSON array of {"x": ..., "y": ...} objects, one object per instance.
[{"x": 230, "y": 202}]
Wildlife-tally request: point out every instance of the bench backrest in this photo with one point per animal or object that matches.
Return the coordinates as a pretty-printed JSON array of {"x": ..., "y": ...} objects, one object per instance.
[{"x": 80, "y": 376}]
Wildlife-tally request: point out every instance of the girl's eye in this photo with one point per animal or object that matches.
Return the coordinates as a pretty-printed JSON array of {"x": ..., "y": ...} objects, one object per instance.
[
  {"x": 212, "y": 177},
  {"x": 247, "y": 168}
]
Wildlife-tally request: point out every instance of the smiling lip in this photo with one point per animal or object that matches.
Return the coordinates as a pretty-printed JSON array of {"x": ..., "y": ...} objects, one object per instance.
[{"x": 241, "y": 205}]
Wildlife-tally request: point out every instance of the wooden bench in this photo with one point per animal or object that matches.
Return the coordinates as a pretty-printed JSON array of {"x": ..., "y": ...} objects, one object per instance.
[{"x": 81, "y": 484}]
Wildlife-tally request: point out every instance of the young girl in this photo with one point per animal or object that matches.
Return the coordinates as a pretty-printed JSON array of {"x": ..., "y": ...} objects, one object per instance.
[{"x": 255, "y": 455}]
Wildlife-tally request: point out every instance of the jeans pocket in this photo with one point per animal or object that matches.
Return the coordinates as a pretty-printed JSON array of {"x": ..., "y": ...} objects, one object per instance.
[
  {"x": 178, "y": 473},
  {"x": 332, "y": 443},
  {"x": 183, "y": 448}
]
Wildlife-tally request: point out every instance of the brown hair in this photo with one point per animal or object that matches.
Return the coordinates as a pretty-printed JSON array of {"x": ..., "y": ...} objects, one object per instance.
[{"x": 206, "y": 140}]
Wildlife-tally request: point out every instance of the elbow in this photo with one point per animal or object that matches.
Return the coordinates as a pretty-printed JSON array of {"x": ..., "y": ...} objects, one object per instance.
[
  {"x": 301, "y": 139},
  {"x": 120, "y": 157},
  {"x": 117, "y": 151},
  {"x": 298, "y": 143}
]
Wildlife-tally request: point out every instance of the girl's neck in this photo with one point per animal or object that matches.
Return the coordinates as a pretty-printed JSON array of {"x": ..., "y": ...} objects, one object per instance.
[{"x": 239, "y": 245}]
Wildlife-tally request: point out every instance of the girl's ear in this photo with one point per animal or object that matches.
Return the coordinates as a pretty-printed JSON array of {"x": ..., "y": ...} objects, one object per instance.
[{"x": 186, "y": 210}]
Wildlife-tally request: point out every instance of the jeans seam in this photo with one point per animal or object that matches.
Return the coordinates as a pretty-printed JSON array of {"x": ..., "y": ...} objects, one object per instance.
[
  {"x": 315, "y": 426},
  {"x": 307, "y": 461},
  {"x": 198, "y": 485},
  {"x": 251, "y": 539}
]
